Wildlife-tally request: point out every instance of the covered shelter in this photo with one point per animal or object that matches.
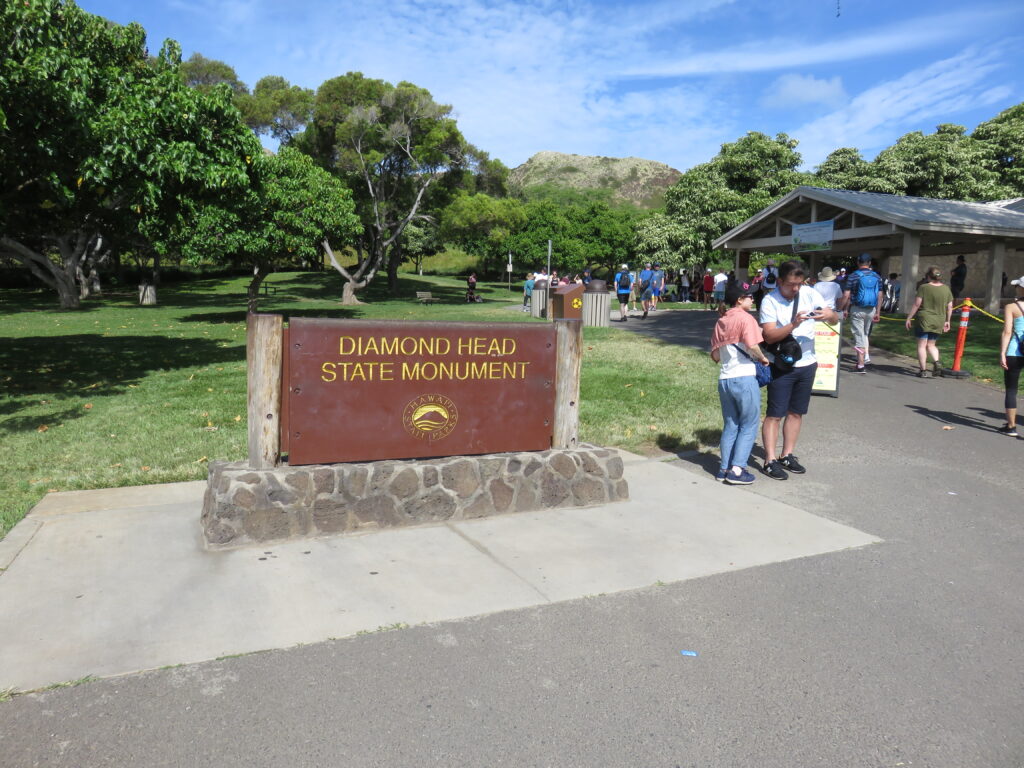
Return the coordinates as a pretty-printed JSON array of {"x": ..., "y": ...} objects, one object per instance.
[{"x": 899, "y": 232}]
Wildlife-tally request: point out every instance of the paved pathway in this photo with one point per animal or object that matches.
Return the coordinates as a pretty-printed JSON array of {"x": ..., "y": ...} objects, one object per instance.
[{"x": 904, "y": 652}]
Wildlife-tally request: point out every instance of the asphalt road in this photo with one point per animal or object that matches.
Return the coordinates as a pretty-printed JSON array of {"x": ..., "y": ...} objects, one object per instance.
[{"x": 904, "y": 653}]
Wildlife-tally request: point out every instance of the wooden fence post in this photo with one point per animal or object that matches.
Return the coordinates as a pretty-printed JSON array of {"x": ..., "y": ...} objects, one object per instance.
[
  {"x": 568, "y": 356},
  {"x": 263, "y": 361}
]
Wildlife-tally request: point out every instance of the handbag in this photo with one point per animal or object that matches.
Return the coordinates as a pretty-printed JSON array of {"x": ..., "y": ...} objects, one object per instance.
[
  {"x": 762, "y": 371},
  {"x": 787, "y": 351}
]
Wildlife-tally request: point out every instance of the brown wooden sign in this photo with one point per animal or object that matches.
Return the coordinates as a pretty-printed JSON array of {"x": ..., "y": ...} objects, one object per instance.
[{"x": 363, "y": 391}]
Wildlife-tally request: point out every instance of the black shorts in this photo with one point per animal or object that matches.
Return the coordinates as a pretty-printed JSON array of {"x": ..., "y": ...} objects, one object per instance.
[
  {"x": 623, "y": 297},
  {"x": 790, "y": 391}
]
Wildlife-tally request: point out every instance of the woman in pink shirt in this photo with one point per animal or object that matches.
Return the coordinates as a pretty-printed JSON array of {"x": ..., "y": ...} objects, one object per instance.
[{"x": 735, "y": 344}]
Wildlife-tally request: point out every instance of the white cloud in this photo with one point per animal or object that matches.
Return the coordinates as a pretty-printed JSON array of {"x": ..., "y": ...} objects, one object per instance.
[
  {"x": 788, "y": 52},
  {"x": 877, "y": 116},
  {"x": 793, "y": 90}
]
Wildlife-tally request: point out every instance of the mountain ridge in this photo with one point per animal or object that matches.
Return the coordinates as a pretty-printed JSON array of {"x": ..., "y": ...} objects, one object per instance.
[{"x": 626, "y": 180}]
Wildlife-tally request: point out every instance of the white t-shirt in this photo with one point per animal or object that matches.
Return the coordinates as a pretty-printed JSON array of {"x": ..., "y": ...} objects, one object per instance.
[
  {"x": 733, "y": 363},
  {"x": 684, "y": 281},
  {"x": 720, "y": 280},
  {"x": 830, "y": 292},
  {"x": 775, "y": 308}
]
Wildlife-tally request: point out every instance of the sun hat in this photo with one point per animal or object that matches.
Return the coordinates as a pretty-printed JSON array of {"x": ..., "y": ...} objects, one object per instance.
[
  {"x": 736, "y": 291},
  {"x": 1019, "y": 281},
  {"x": 827, "y": 275}
]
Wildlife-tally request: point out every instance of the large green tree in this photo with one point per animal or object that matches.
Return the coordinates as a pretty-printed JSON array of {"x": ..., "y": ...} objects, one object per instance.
[
  {"x": 100, "y": 142},
  {"x": 1004, "y": 136},
  {"x": 391, "y": 144},
  {"x": 481, "y": 224},
  {"x": 845, "y": 168},
  {"x": 712, "y": 198},
  {"x": 283, "y": 220},
  {"x": 946, "y": 164}
]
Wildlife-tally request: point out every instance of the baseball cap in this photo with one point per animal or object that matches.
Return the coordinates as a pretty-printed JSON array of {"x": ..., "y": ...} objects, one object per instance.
[
  {"x": 864, "y": 258},
  {"x": 624, "y": 266},
  {"x": 1018, "y": 281},
  {"x": 736, "y": 291}
]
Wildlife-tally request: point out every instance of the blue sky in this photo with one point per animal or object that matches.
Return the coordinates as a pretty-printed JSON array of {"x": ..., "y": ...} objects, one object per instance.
[{"x": 666, "y": 80}]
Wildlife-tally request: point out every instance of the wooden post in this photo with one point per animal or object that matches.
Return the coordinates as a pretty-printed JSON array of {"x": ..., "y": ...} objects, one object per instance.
[
  {"x": 263, "y": 359},
  {"x": 568, "y": 355}
]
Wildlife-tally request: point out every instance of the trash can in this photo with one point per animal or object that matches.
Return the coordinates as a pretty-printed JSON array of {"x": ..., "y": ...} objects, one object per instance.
[
  {"x": 596, "y": 310},
  {"x": 539, "y": 299},
  {"x": 568, "y": 302}
]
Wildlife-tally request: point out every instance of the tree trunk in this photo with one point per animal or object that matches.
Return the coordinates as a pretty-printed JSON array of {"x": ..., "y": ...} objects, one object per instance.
[
  {"x": 94, "y": 282},
  {"x": 394, "y": 262},
  {"x": 348, "y": 293},
  {"x": 147, "y": 294},
  {"x": 67, "y": 294},
  {"x": 156, "y": 269},
  {"x": 253, "y": 292}
]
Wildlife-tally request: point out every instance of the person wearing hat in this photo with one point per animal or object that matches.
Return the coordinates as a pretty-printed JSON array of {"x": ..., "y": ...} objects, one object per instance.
[
  {"x": 862, "y": 302},
  {"x": 1011, "y": 355},
  {"x": 828, "y": 288},
  {"x": 735, "y": 343},
  {"x": 623, "y": 285}
]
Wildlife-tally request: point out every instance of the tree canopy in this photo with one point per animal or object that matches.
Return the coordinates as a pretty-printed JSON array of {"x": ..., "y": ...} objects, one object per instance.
[
  {"x": 101, "y": 142},
  {"x": 390, "y": 144}
]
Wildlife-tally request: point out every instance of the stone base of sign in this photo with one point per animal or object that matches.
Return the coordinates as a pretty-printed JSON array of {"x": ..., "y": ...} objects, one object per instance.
[{"x": 245, "y": 506}]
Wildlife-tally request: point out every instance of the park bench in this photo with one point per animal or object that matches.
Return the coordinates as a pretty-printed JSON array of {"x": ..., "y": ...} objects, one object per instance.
[{"x": 426, "y": 297}]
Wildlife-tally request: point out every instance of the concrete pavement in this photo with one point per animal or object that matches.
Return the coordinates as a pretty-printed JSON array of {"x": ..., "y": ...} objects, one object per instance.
[{"x": 114, "y": 581}]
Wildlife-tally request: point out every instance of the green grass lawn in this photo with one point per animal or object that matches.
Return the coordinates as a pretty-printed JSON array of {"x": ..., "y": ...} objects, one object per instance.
[{"x": 116, "y": 394}]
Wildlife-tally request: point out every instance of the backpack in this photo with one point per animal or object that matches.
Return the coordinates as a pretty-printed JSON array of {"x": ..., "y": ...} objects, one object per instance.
[
  {"x": 769, "y": 279},
  {"x": 623, "y": 282},
  {"x": 867, "y": 289}
]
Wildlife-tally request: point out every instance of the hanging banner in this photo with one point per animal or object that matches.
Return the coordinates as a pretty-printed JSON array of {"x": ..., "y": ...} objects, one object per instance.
[
  {"x": 816, "y": 236},
  {"x": 827, "y": 338}
]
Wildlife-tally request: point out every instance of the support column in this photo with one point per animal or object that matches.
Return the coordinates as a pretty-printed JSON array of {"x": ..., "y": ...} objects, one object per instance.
[
  {"x": 909, "y": 269},
  {"x": 994, "y": 282},
  {"x": 568, "y": 360},
  {"x": 742, "y": 266}
]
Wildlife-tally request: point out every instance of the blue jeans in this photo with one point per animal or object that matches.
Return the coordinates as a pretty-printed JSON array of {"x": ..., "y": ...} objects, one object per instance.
[{"x": 741, "y": 412}]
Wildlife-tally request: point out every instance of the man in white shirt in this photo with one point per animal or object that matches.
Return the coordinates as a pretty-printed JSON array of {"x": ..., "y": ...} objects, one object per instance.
[
  {"x": 721, "y": 279},
  {"x": 828, "y": 287},
  {"x": 789, "y": 393}
]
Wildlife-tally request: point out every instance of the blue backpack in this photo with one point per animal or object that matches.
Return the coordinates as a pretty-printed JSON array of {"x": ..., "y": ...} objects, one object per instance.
[{"x": 868, "y": 285}]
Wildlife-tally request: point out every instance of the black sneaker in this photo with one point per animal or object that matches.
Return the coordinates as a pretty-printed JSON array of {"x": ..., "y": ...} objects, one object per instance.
[
  {"x": 790, "y": 463},
  {"x": 774, "y": 470},
  {"x": 860, "y": 369},
  {"x": 644, "y": 315},
  {"x": 1007, "y": 430}
]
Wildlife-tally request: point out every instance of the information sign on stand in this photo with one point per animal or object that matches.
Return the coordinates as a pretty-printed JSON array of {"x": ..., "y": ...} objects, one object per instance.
[{"x": 827, "y": 342}]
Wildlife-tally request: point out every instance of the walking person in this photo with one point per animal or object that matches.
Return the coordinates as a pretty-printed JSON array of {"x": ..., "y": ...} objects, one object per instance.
[
  {"x": 708, "y": 288},
  {"x": 788, "y": 316},
  {"x": 684, "y": 287},
  {"x": 958, "y": 277},
  {"x": 624, "y": 285},
  {"x": 735, "y": 344},
  {"x": 527, "y": 292},
  {"x": 930, "y": 316},
  {"x": 862, "y": 303},
  {"x": 1011, "y": 355}
]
